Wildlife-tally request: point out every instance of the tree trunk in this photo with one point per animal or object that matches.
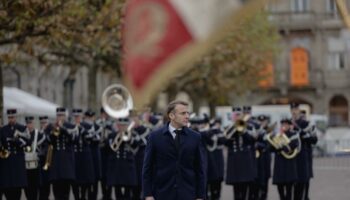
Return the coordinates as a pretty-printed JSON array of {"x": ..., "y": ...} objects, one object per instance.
[
  {"x": 68, "y": 92},
  {"x": 212, "y": 111},
  {"x": 92, "y": 87},
  {"x": 1, "y": 97},
  {"x": 196, "y": 104},
  {"x": 172, "y": 92}
]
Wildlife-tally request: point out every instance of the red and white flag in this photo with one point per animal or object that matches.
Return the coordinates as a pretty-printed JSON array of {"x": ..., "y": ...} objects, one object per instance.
[{"x": 163, "y": 37}]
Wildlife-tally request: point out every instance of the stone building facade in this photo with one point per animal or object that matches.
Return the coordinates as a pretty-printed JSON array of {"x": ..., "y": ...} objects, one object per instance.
[{"x": 313, "y": 64}]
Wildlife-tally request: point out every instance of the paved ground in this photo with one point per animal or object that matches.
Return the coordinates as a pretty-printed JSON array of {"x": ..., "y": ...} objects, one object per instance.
[{"x": 331, "y": 182}]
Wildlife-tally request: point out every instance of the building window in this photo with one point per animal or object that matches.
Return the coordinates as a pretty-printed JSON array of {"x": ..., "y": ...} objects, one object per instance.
[
  {"x": 299, "y": 67},
  {"x": 336, "y": 61},
  {"x": 267, "y": 76},
  {"x": 338, "y": 111},
  {"x": 331, "y": 6},
  {"x": 300, "y": 5}
]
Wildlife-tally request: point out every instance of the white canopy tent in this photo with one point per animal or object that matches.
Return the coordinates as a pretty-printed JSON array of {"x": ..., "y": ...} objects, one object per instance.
[{"x": 27, "y": 104}]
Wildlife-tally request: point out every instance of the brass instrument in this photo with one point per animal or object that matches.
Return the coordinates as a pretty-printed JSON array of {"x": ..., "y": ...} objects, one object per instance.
[
  {"x": 56, "y": 130},
  {"x": 4, "y": 153},
  {"x": 281, "y": 140},
  {"x": 121, "y": 137},
  {"x": 117, "y": 102},
  {"x": 48, "y": 159},
  {"x": 239, "y": 126},
  {"x": 271, "y": 127}
]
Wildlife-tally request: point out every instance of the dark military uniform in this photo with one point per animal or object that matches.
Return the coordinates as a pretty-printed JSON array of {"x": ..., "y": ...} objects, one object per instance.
[
  {"x": 215, "y": 171},
  {"x": 241, "y": 170},
  {"x": 121, "y": 168},
  {"x": 62, "y": 169},
  {"x": 45, "y": 184},
  {"x": 32, "y": 162},
  {"x": 263, "y": 164},
  {"x": 304, "y": 158},
  {"x": 106, "y": 129},
  {"x": 140, "y": 137},
  {"x": 93, "y": 128},
  {"x": 252, "y": 129},
  {"x": 13, "y": 173},
  {"x": 1, "y": 169},
  {"x": 285, "y": 170},
  {"x": 84, "y": 167}
]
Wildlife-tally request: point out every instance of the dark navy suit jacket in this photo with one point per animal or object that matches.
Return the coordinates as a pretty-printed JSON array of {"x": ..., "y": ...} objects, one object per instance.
[{"x": 171, "y": 174}]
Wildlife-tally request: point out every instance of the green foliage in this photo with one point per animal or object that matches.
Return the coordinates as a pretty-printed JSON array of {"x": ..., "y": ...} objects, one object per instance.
[
  {"x": 235, "y": 64},
  {"x": 70, "y": 32}
]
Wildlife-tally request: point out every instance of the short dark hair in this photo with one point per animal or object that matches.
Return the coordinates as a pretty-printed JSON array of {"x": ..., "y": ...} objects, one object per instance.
[{"x": 173, "y": 104}]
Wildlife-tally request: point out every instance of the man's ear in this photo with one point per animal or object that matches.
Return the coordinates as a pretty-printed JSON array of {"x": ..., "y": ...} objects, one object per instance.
[{"x": 171, "y": 115}]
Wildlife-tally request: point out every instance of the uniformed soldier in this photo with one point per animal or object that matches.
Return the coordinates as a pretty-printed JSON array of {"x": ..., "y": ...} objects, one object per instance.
[
  {"x": 304, "y": 162},
  {"x": 1, "y": 150},
  {"x": 263, "y": 157},
  {"x": 84, "y": 168},
  {"x": 106, "y": 125},
  {"x": 32, "y": 159},
  {"x": 241, "y": 170},
  {"x": 44, "y": 191},
  {"x": 195, "y": 122},
  {"x": 92, "y": 127},
  {"x": 121, "y": 167},
  {"x": 215, "y": 172},
  {"x": 252, "y": 127},
  {"x": 140, "y": 134},
  {"x": 310, "y": 139},
  {"x": 14, "y": 139},
  {"x": 62, "y": 136},
  {"x": 285, "y": 170},
  {"x": 204, "y": 130}
]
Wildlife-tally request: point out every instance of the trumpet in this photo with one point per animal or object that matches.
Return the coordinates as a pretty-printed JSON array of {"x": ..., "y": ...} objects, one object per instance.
[
  {"x": 239, "y": 126},
  {"x": 48, "y": 159}
]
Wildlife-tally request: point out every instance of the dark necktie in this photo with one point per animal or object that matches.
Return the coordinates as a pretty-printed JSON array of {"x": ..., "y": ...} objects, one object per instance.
[{"x": 177, "y": 138}]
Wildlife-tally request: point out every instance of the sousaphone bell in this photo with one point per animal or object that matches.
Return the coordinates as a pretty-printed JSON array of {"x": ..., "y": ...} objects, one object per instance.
[{"x": 117, "y": 101}]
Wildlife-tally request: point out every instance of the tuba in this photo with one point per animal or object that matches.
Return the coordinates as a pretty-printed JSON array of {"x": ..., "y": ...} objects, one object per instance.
[{"x": 117, "y": 102}]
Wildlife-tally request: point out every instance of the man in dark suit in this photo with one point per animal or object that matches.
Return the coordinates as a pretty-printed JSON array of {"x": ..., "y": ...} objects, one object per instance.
[{"x": 174, "y": 159}]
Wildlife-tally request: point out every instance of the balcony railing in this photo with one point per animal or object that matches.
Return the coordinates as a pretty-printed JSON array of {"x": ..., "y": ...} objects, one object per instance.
[{"x": 305, "y": 20}]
